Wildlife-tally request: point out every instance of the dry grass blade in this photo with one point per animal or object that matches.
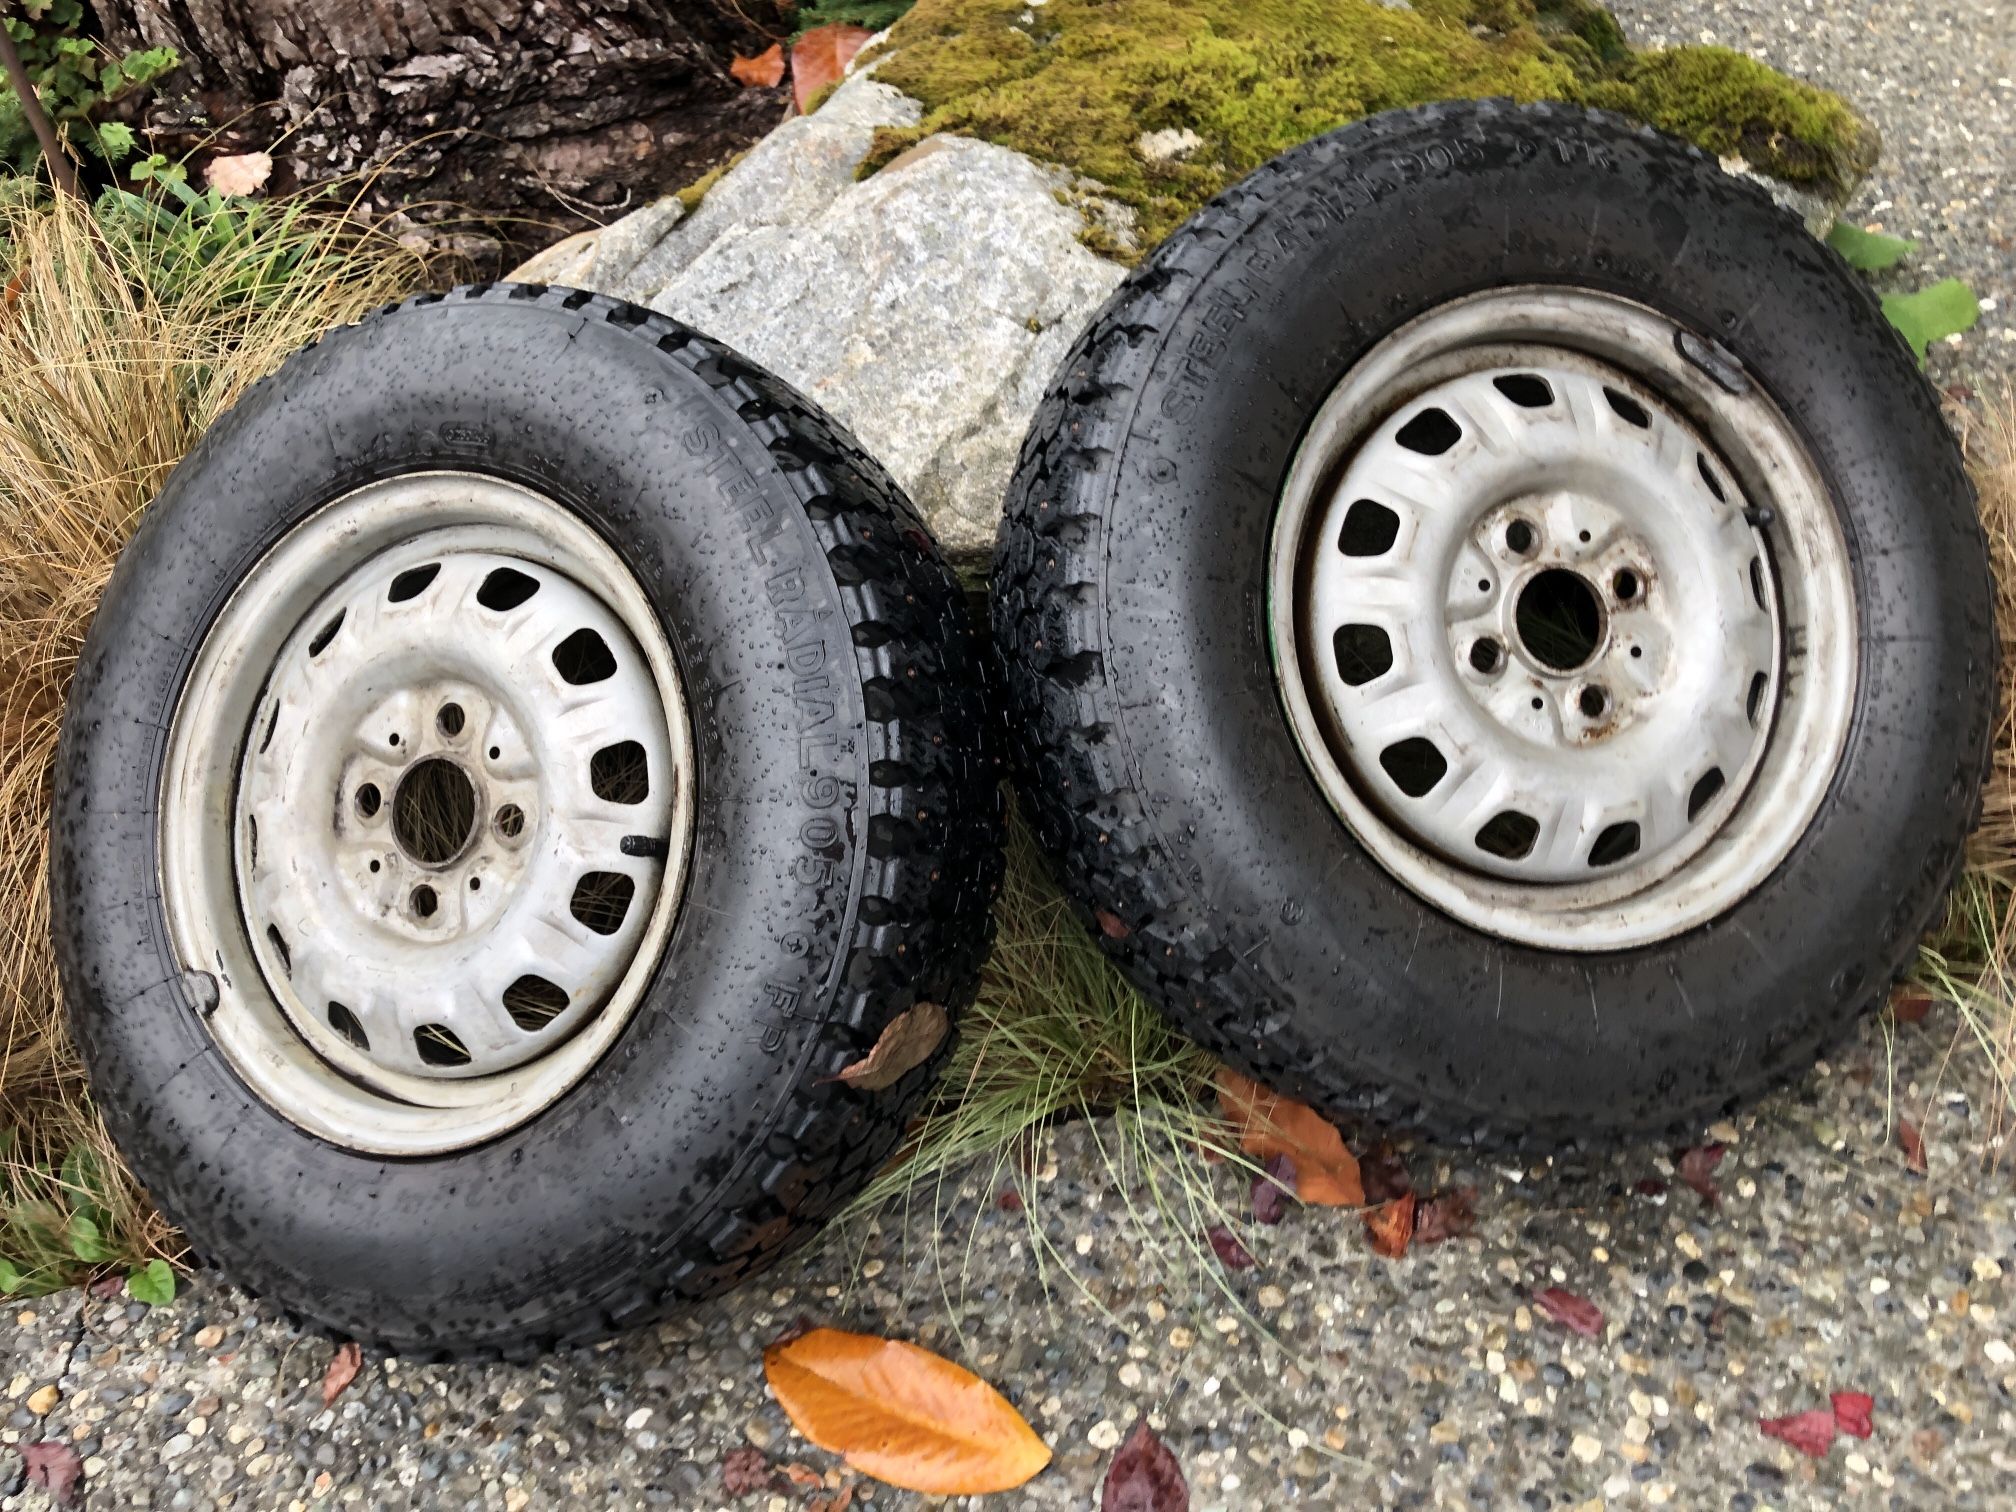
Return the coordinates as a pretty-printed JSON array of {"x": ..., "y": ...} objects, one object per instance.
[
  {"x": 123, "y": 334},
  {"x": 1971, "y": 958}
]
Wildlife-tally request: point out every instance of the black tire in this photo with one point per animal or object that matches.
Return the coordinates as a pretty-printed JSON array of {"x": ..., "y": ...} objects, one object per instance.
[
  {"x": 1154, "y": 754},
  {"x": 711, "y": 1139}
]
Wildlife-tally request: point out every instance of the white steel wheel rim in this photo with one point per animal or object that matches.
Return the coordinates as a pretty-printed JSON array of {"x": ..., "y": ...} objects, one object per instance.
[
  {"x": 1633, "y": 762},
  {"x": 426, "y": 812}
]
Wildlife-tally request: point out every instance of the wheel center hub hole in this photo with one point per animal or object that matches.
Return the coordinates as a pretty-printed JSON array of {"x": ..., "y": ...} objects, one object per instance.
[
  {"x": 434, "y": 811},
  {"x": 1559, "y": 619}
]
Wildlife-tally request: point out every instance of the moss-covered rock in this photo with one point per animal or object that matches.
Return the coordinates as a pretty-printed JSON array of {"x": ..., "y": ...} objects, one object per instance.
[{"x": 1082, "y": 82}]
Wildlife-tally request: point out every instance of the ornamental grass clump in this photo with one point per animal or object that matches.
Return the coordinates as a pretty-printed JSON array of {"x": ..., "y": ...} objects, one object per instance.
[{"x": 126, "y": 329}]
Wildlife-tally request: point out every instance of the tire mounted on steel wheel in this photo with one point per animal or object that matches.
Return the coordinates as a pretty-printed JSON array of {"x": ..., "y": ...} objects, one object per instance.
[
  {"x": 524, "y": 754},
  {"x": 1497, "y": 629}
]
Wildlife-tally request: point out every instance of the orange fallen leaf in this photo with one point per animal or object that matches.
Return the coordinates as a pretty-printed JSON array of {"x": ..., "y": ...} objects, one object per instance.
[
  {"x": 343, "y": 1368},
  {"x": 1326, "y": 1174},
  {"x": 761, "y": 71},
  {"x": 1391, "y": 1225},
  {"x": 905, "y": 1043},
  {"x": 821, "y": 56},
  {"x": 902, "y": 1414}
]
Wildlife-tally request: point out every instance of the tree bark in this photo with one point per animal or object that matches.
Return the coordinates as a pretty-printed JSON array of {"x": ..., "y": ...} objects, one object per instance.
[{"x": 538, "y": 116}]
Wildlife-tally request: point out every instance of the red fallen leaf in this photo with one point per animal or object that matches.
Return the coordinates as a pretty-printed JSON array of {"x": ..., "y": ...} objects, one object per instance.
[
  {"x": 761, "y": 71},
  {"x": 1811, "y": 1433},
  {"x": 1912, "y": 1143},
  {"x": 747, "y": 1469},
  {"x": 1111, "y": 925},
  {"x": 1649, "y": 1186},
  {"x": 804, "y": 1477},
  {"x": 55, "y": 1467},
  {"x": 1235, "y": 1255},
  {"x": 840, "y": 1501},
  {"x": 1384, "y": 1174},
  {"x": 1144, "y": 1476},
  {"x": 1010, "y": 1200},
  {"x": 1391, "y": 1225},
  {"x": 1272, "y": 1189},
  {"x": 1445, "y": 1216},
  {"x": 1909, "y": 1006},
  {"x": 821, "y": 56},
  {"x": 1576, "y": 1314},
  {"x": 343, "y": 1368},
  {"x": 1697, "y": 1168},
  {"x": 107, "y": 1287},
  {"x": 1854, "y": 1413}
]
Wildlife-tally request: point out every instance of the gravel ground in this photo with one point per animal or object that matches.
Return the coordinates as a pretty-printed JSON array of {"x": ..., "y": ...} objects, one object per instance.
[
  {"x": 1938, "y": 77},
  {"x": 1429, "y": 1382}
]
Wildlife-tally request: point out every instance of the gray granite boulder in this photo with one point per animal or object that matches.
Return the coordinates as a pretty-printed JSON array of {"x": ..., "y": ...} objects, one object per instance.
[{"x": 926, "y": 307}]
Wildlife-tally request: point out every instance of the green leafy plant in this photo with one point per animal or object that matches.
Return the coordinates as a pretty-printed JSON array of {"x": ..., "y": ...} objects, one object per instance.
[
  {"x": 152, "y": 1283},
  {"x": 1868, "y": 251},
  {"x": 75, "y": 77},
  {"x": 873, "y": 14},
  {"x": 1945, "y": 309},
  {"x": 1923, "y": 316}
]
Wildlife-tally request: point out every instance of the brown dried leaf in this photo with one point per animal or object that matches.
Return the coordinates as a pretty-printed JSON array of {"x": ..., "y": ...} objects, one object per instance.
[
  {"x": 1229, "y": 1249},
  {"x": 240, "y": 175},
  {"x": 1391, "y": 1225},
  {"x": 343, "y": 1368},
  {"x": 906, "y": 1042},
  {"x": 1326, "y": 1174},
  {"x": 762, "y": 71},
  {"x": 1909, "y": 1005},
  {"x": 1576, "y": 1314},
  {"x": 1912, "y": 1143},
  {"x": 745, "y": 1469},
  {"x": 1697, "y": 1168},
  {"x": 1111, "y": 925},
  {"x": 1384, "y": 1174},
  {"x": 821, "y": 56},
  {"x": 1271, "y": 1190},
  {"x": 55, "y": 1467},
  {"x": 1144, "y": 1476},
  {"x": 1445, "y": 1216}
]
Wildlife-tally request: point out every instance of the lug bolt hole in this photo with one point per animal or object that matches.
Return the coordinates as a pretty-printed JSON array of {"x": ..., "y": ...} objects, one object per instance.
[
  {"x": 475, "y": 884},
  {"x": 1626, "y": 585},
  {"x": 369, "y": 800},
  {"x": 392, "y": 739},
  {"x": 1520, "y": 538},
  {"x": 495, "y": 752},
  {"x": 1592, "y": 701},
  {"x": 1637, "y": 650},
  {"x": 510, "y": 821},
  {"x": 1539, "y": 703},
  {"x": 450, "y": 720},
  {"x": 425, "y": 902},
  {"x": 1485, "y": 654},
  {"x": 1582, "y": 535},
  {"x": 375, "y": 866}
]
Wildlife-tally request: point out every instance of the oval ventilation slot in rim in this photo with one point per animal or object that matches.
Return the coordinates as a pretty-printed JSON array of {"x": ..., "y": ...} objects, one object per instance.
[
  {"x": 602, "y": 900},
  {"x": 413, "y": 582},
  {"x": 439, "y": 1045},
  {"x": 1370, "y": 529},
  {"x": 1431, "y": 433},
  {"x": 506, "y": 588},
  {"x": 1363, "y": 653},
  {"x": 533, "y": 1002},
  {"x": 584, "y": 658},
  {"x": 1527, "y": 390},
  {"x": 1615, "y": 843},
  {"x": 620, "y": 773},
  {"x": 1414, "y": 765},
  {"x": 1509, "y": 836}
]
